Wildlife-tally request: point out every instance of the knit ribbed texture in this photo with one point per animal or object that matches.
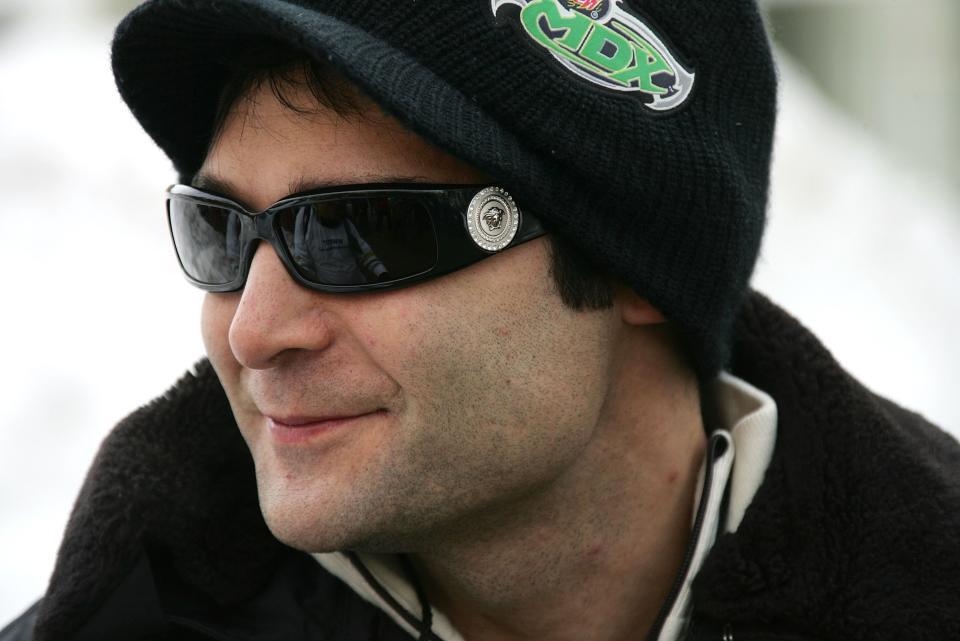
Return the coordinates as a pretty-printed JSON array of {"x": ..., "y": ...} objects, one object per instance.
[{"x": 673, "y": 204}]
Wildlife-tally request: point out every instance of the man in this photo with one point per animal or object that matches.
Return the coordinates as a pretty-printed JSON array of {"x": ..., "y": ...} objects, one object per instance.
[{"x": 524, "y": 429}]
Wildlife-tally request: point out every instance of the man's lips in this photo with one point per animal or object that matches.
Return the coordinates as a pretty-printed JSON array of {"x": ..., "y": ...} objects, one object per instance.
[
  {"x": 302, "y": 421},
  {"x": 298, "y": 429}
]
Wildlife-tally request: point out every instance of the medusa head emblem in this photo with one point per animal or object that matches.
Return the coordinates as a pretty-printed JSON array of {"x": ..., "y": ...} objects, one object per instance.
[{"x": 493, "y": 217}]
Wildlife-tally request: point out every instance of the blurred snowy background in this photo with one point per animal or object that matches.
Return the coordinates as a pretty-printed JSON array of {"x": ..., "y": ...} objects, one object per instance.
[{"x": 863, "y": 243}]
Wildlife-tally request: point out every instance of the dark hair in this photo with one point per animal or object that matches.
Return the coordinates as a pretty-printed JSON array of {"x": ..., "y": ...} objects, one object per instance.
[{"x": 580, "y": 284}]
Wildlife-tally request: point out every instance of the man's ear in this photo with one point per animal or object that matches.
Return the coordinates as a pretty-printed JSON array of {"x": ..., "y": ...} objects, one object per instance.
[{"x": 635, "y": 310}]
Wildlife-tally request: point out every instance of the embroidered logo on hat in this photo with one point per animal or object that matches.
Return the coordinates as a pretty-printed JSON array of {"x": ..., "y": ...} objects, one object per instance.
[{"x": 603, "y": 43}]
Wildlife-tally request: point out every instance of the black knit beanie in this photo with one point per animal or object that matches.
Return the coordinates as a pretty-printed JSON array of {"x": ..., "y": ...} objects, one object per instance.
[{"x": 640, "y": 130}]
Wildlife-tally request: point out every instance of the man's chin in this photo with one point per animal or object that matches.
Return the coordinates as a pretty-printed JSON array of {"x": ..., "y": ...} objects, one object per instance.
[
  {"x": 329, "y": 531},
  {"x": 319, "y": 513},
  {"x": 300, "y": 517},
  {"x": 308, "y": 532}
]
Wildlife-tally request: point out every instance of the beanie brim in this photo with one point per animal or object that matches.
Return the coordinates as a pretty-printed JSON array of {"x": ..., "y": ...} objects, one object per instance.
[{"x": 168, "y": 60}]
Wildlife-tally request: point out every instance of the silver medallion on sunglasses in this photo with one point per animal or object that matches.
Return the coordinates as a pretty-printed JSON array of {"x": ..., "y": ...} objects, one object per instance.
[{"x": 493, "y": 219}]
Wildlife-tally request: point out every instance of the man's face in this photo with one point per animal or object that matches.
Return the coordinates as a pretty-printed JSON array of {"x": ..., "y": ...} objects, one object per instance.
[{"x": 427, "y": 407}]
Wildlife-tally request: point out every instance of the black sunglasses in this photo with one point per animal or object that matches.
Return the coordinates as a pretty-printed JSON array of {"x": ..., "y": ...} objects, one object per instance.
[{"x": 346, "y": 239}]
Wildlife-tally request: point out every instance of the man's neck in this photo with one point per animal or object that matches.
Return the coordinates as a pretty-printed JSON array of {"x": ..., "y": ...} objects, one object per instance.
[{"x": 593, "y": 554}]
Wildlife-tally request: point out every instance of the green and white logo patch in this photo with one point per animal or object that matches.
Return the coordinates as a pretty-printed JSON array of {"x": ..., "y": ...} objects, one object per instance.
[{"x": 601, "y": 42}]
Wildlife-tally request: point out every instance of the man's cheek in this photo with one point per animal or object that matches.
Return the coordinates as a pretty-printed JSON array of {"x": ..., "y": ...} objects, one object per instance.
[{"x": 215, "y": 318}]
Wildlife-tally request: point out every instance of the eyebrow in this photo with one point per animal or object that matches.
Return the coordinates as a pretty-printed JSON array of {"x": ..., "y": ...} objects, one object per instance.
[{"x": 207, "y": 182}]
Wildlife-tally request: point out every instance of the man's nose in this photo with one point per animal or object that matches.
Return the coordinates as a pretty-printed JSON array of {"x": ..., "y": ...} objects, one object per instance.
[{"x": 276, "y": 317}]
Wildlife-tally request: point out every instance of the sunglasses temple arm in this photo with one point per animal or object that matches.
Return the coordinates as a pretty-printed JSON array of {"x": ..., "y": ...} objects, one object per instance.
[{"x": 530, "y": 228}]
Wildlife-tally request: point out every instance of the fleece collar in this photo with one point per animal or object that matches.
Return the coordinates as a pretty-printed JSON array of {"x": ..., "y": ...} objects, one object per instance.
[{"x": 851, "y": 535}]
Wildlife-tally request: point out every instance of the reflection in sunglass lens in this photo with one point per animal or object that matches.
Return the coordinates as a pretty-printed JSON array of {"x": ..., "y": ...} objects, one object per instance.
[
  {"x": 354, "y": 241},
  {"x": 207, "y": 240}
]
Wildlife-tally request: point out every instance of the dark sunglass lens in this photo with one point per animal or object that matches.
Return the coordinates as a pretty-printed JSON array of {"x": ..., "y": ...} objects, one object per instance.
[
  {"x": 354, "y": 241},
  {"x": 207, "y": 240}
]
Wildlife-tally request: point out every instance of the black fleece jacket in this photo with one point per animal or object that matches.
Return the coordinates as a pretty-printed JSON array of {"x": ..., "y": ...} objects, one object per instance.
[{"x": 853, "y": 536}]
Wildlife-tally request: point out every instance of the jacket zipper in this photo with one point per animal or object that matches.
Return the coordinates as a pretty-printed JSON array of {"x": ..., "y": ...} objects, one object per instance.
[
  {"x": 726, "y": 633},
  {"x": 190, "y": 624}
]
